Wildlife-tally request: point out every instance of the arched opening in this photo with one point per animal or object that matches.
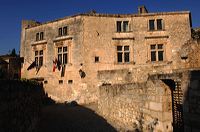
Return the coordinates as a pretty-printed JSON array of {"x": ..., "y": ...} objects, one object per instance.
[{"x": 177, "y": 104}]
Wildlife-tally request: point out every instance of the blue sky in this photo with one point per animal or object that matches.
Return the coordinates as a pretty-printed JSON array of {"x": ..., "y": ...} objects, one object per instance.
[{"x": 13, "y": 11}]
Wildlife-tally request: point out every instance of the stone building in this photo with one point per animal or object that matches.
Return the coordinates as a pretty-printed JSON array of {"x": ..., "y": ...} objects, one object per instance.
[
  {"x": 10, "y": 67},
  {"x": 136, "y": 66}
]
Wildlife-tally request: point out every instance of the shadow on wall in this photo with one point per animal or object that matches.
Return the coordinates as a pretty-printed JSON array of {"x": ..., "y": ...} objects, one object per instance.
[
  {"x": 24, "y": 107},
  {"x": 186, "y": 102},
  {"x": 20, "y": 105},
  {"x": 72, "y": 118},
  {"x": 191, "y": 104}
]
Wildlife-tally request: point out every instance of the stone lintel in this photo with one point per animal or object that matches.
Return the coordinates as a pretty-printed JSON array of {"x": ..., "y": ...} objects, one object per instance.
[
  {"x": 129, "y": 38},
  {"x": 41, "y": 42},
  {"x": 60, "y": 38},
  {"x": 156, "y": 37},
  {"x": 155, "y": 106},
  {"x": 172, "y": 76}
]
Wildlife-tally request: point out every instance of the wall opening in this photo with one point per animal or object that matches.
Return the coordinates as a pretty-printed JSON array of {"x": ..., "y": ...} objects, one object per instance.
[{"x": 177, "y": 104}]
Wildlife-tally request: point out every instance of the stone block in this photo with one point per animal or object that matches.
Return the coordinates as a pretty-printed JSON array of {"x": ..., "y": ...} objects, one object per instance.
[{"x": 155, "y": 106}]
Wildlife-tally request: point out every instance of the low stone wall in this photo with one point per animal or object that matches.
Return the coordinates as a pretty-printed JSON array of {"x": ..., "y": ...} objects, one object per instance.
[{"x": 143, "y": 106}]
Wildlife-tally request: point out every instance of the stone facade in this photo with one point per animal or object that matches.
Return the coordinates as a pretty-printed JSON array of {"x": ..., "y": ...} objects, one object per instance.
[
  {"x": 95, "y": 37},
  {"x": 152, "y": 97},
  {"x": 142, "y": 69},
  {"x": 10, "y": 67}
]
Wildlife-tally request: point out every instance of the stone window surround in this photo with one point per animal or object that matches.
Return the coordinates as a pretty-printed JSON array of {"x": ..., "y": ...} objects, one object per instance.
[
  {"x": 123, "y": 51},
  {"x": 62, "y": 54},
  {"x": 39, "y": 47},
  {"x": 155, "y": 24},
  {"x": 120, "y": 41},
  {"x": 39, "y": 58},
  {"x": 123, "y": 20},
  {"x": 63, "y": 31},
  {"x": 149, "y": 53},
  {"x": 39, "y": 36},
  {"x": 63, "y": 43}
]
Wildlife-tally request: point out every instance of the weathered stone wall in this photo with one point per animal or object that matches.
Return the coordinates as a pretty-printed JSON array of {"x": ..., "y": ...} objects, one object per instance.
[
  {"x": 190, "y": 54},
  {"x": 122, "y": 102},
  {"x": 95, "y": 35},
  {"x": 137, "y": 105}
]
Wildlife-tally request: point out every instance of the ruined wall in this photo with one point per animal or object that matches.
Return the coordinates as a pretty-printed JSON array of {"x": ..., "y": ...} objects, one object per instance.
[
  {"x": 137, "y": 105},
  {"x": 190, "y": 54},
  {"x": 122, "y": 101}
]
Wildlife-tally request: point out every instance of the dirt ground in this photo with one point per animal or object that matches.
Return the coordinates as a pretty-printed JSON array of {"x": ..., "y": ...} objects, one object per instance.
[{"x": 63, "y": 118}]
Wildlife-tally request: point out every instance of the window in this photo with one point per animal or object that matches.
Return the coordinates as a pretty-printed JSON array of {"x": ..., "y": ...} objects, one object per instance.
[
  {"x": 45, "y": 82},
  {"x": 63, "y": 55},
  {"x": 125, "y": 26},
  {"x": 157, "y": 52},
  {"x": 39, "y": 36},
  {"x": 96, "y": 59},
  {"x": 60, "y": 32},
  {"x": 63, "y": 31},
  {"x": 119, "y": 23},
  {"x": 39, "y": 58},
  {"x": 151, "y": 25},
  {"x": 122, "y": 26},
  {"x": 159, "y": 24},
  {"x": 123, "y": 54},
  {"x": 60, "y": 81},
  {"x": 70, "y": 81}
]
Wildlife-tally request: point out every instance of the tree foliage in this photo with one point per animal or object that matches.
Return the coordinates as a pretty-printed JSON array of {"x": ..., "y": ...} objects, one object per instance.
[
  {"x": 13, "y": 53},
  {"x": 196, "y": 33}
]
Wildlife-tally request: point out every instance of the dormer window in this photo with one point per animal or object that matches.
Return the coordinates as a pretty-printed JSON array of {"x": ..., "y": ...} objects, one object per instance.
[
  {"x": 122, "y": 26},
  {"x": 39, "y": 36},
  {"x": 63, "y": 31}
]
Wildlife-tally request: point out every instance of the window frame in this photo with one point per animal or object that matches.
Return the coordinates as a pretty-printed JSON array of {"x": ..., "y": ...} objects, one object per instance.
[
  {"x": 39, "y": 58},
  {"x": 122, "y": 26},
  {"x": 156, "y": 24},
  {"x": 59, "y": 31},
  {"x": 159, "y": 25},
  {"x": 65, "y": 30},
  {"x": 121, "y": 54},
  {"x": 61, "y": 54},
  {"x": 119, "y": 27},
  {"x": 62, "y": 31},
  {"x": 156, "y": 52},
  {"x": 39, "y": 36},
  {"x": 152, "y": 25}
]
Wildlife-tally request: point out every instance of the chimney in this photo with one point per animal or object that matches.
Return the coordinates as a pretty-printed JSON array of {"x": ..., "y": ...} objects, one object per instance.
[{"x": 142, "y": 10}]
